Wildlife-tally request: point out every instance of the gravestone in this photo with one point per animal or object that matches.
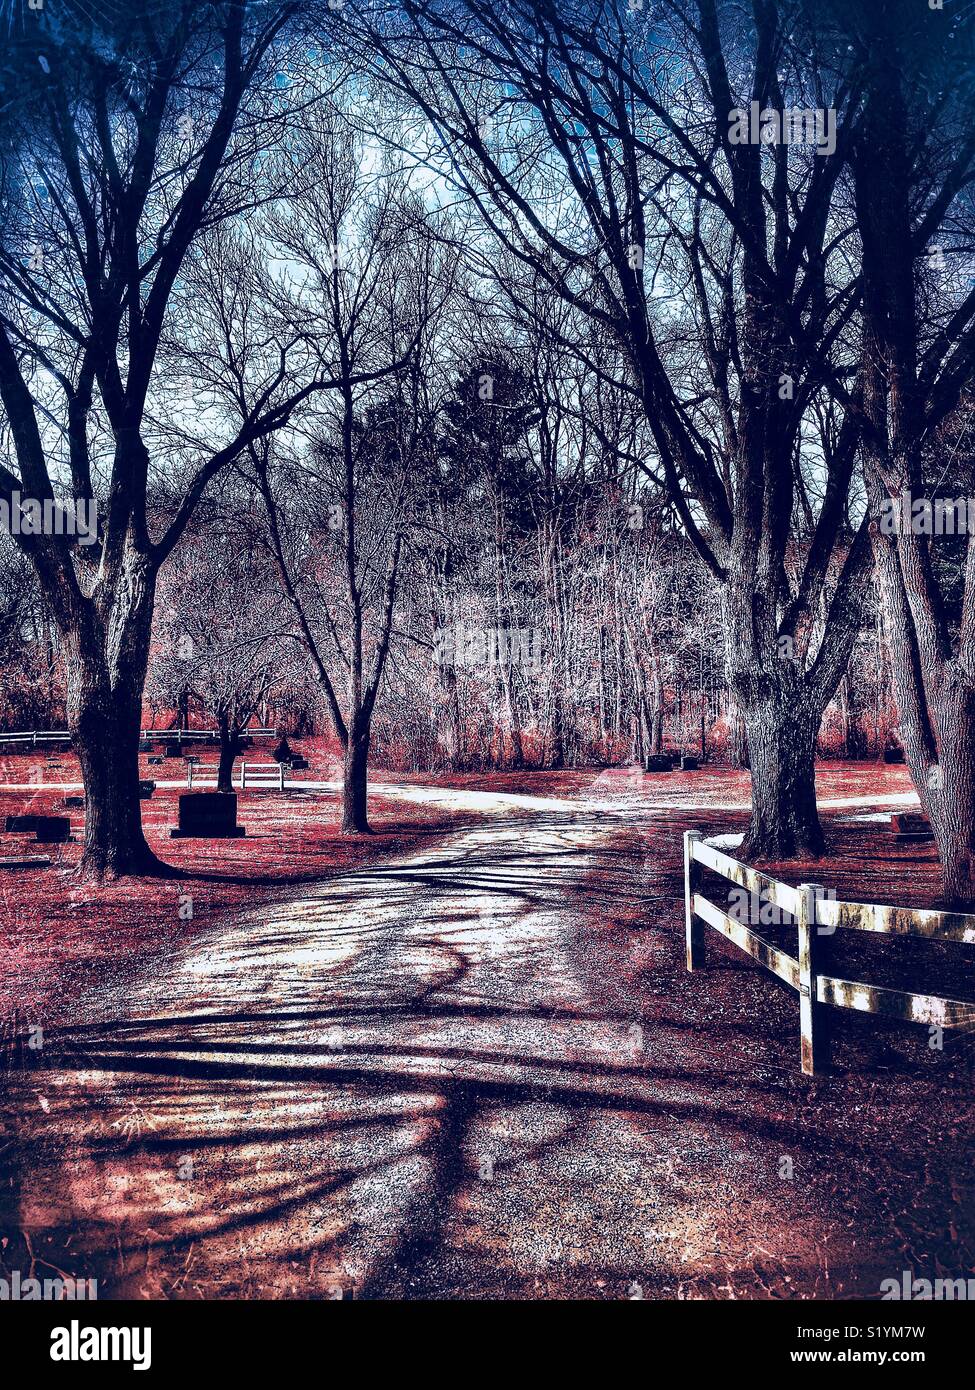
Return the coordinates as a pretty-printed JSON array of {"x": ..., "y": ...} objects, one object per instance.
[
  {"x": 173, "y": 750},
  {"x": 283, "y": 753},
  {"x": 145, "y": 746},
  {"x": 911, "y": 826},
  {"x": 298, "y": 763},
  {"x": 74, "y": 803},
  {"x": 156, "y": 761},
  {"x": 688, "y": 764},
  {"x": 146, "y": 790},
  {"x": 893, "y": 755},
  {"x": 208, "y": 816},
  {"x": 53, "y": 830},
  {"x": 22, "y": 825},
  {"x": 660, "y": 762}
]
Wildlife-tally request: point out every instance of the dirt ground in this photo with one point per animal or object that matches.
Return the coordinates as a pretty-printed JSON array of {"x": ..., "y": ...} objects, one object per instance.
[{"x": 465, "y": 1059}]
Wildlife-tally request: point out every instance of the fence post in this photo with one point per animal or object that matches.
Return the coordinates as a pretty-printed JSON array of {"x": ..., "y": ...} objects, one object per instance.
[
  {"x": 243, "y": 776},
  {"x": 281, "y": 774},
  {"x": 189, "y": 776},
  {"x": 694, "y": 927},
  {"x": 814, "y": 1021}
]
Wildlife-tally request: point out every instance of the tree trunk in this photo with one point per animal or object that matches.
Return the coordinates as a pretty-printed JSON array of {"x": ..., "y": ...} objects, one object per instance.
[
  {"x": 104, "y": 720},
  {"x": 106, "y": 736},
  {"x": 947, "y": 791},
  {"x": 737, "y": 734},
  {"x": 782, "y": 732},
  {"x": 106, "y": 659},
  {"x": 229, "y": 751},
  {"x": 355, "y": 820}
]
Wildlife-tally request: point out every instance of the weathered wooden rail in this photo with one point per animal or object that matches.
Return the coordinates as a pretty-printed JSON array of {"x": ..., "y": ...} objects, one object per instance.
[{"x": 817, "y": 918}]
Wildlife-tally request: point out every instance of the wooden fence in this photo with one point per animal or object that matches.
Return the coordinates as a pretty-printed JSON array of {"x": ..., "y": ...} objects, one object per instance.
[
  {"x": 262, "y": 775},
  {"x": 198, "y": 735},
  {"x": 35, "y": 738},
  {"x": 817, "y": 918}
]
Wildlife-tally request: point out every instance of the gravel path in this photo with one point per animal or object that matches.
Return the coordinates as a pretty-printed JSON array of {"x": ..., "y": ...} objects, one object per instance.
[{"x": 476, "y": 1072}]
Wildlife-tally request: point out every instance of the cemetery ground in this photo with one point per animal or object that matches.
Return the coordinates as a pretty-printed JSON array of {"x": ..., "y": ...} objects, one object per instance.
[{"x": 463, "y": 1058}]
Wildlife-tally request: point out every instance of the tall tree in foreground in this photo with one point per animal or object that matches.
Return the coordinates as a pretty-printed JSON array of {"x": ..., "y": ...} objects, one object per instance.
[
  {"x": 604, "y": 146},
  {"x": 118, "y": 148},
  {"x": 915, "y": 168}
]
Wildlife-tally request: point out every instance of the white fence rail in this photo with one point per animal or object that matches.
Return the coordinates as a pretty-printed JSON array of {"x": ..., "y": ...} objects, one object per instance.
[
  {"x": 817, "y": 918},
  {"x": 262, "y": 775}
]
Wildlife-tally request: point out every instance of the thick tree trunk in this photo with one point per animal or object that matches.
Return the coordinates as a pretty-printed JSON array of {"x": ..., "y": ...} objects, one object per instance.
[
  {"x": 106, "y": 675},
  {"x": 106, "y": 736},
  {"x": 947, "y": 791},
  {"x": 105, "y": 727},
  {"x": 936, "y": 707},
  {"x": 448, "y": 723},
  {"x": 355, "y": 820},
  {"x": 782, "y": 731},
  {"x": 737, "y": 735}
]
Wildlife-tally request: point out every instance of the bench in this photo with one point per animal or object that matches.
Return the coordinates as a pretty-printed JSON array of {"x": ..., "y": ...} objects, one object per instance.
[{"x": 268, "y": 775}]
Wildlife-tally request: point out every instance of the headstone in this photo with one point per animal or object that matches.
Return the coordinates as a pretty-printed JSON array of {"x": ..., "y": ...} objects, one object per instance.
[
  {"x": 208, "y": 816},
  {"x": 893, "y": 755},
  {"x": 26, "y": 861},
  {"x": 53, "y": 830},
  {"x": 688, "y": 764},
  {"x": 156, "y": 761},
  {"x": 146, "y": 790},
  {"x": 660, "y": 762},
  {"x": 283, "y": 753},
  {"x": 174, "y": 750},
  {"x": 73, "y": 803},
  {"x": 911, "y": 825},
  {"x": 145, "y": 745},
  {"x": 22, "y": 825}
]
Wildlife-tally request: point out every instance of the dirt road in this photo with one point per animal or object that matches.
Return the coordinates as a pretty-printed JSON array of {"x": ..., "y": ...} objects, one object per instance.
[{"x": 477, "y": 1072}]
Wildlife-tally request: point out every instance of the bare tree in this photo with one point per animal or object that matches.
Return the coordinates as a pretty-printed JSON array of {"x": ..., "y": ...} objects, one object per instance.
[
  {"x": 222, "y": 636},
  {"x": 366, "y": 281},
  {"x": 123, "y": 149},
  {"x": 914, "y": 169},
  {"x": 620, "y": 181}
]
